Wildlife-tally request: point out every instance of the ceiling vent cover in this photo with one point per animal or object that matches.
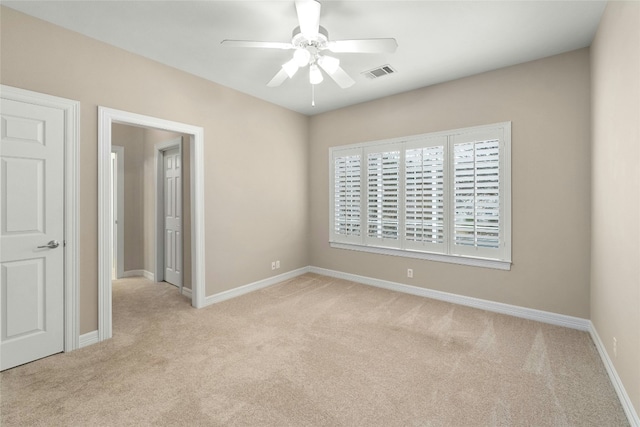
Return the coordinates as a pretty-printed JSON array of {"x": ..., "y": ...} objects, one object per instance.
[{"x": 383, "y": 70}]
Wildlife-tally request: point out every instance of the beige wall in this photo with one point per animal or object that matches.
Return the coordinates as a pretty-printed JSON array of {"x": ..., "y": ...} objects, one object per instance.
[
  {"x": 547, "y": 102},
  {"x": 255, "y": 153},
  {"x": 615, "y": 253},
  {"x": 132, "y": 139}
]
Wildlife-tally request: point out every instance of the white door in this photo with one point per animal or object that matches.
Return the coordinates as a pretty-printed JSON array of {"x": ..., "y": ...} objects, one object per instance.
[
  {"x": 173, "y": 217},
  {"x": 32, "y": 227}
]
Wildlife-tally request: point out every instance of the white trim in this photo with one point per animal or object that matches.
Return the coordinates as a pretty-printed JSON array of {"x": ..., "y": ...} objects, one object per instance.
[
  {"x": 496, "y": 307},
  {"x": 158, "y": 215},
  {"x": 625, "y": 401},
  {"x": 186, "y": 292},
  {"x": 245, "y": 289},
  {"x": 408, "y": 253},
  {"x": 197, "y": 219},
  {"x": 106, "y": 117},
  {"x": 139, "y": 273},
  {"x": 119, "y": 152},
  {"x": 71, "y": 111},
  {"x": 90, "y": 338}
]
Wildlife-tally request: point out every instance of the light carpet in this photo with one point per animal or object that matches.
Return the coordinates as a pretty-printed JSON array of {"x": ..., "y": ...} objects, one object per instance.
[{"x": 314, "y": 351}]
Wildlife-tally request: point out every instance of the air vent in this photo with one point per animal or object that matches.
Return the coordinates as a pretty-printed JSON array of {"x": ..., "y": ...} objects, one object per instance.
[{"x": 383, "y": 70}]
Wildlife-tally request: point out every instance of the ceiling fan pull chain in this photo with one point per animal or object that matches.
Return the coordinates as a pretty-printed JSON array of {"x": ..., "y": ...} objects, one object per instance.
[{"x": 313, "y": 95}]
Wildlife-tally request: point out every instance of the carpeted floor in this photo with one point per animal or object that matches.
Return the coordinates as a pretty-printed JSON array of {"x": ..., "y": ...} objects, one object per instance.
[{"x": 314, "y": 351}]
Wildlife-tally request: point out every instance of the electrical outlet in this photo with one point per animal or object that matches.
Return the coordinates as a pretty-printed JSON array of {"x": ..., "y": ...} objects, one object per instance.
[
  {"x": 410, "y": 273},
  {"x": 277, "y": 264},
  {"x": 615, "y": 347},
  {"x": 273, "y": 265}
]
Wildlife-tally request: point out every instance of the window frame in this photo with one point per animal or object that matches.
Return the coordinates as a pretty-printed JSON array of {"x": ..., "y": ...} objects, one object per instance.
[{"x": 447, "y": 251}]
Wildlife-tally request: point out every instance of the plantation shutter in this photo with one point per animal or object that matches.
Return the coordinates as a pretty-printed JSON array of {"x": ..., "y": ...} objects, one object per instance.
[
  {"x": 425, "y": 195},
  {"x": 347, "y": 196},
  {"x": 383, "y": 198},
  {"x": 443, "y": 196},
  {"x": 477, "y": 194}
]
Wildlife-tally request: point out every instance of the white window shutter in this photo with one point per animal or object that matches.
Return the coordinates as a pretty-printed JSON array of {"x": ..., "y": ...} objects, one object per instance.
[
  {"x": 425, "y": 199},
  {"x": 383, "y": 197},
  {"x": 444, "y": 196},
  {"x": 347, "y": 196},
  {"x": 477, "y": 198}
]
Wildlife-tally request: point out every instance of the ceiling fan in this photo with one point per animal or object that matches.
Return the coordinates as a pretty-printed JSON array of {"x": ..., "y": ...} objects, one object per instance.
[{"x": 309, "y": 42}]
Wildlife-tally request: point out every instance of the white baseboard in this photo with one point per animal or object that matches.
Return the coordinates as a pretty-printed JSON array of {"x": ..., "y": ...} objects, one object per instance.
[
  {"x": 627, "y": 405},
  {"x": 186, "y": 292},
  {"x": 245, "y": 289},
  {"x": 89, "y": 338},
  {"x": 496, "y": 307},
  {"x": 139, "y": 273}
]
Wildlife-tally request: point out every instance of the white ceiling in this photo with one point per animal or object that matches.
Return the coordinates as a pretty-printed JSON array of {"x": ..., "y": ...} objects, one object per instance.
[{"x": 437, "y": 40}]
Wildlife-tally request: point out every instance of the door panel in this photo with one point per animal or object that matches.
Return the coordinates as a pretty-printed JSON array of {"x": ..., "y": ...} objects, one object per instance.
[
  {"x": 24, "y": 195},
  {"x": 24, "y": 287},
  {"x": 173, "y": 216},
  {"x": 32, "y": 200}
]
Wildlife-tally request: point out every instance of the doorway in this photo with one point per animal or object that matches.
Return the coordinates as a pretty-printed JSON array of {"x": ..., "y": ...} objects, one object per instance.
[{"x": 107, "y": 117}]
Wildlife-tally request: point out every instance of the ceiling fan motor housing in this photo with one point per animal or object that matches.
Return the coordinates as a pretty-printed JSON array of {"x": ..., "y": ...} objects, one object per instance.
[
  {"x": 320, "y": 42},
  {"x": 307, "y": 51}
]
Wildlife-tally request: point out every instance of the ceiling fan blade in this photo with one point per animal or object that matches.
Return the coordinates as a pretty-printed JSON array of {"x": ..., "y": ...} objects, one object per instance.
[
  {"x": 280, "y": 77},
  {"x": 250, "y": 43},
  {"x": 363, "y": 46},
  {"x": 341, "y": 77},
  {"x": 309, "y": 17}
]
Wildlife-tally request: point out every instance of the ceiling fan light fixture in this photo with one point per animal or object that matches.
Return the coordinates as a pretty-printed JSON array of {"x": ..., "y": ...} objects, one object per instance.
[
  {"x": 315, "y": 75},
  {"x": 290, "y": 67},
  {"x": 302, "y": 57},
  {"x": 329, "y": 64}
]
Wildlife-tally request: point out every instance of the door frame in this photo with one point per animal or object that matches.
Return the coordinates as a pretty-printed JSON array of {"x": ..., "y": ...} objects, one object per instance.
[
  {"x": 71, "y": 110},
  {"x": 106, "y": 117},
  {"x": 158, "y": 151},
  {"x": 119, "y": 152}
]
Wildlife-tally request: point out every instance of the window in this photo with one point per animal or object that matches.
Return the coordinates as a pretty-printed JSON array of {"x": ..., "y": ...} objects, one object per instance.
[{"x": 443, "y": 196}]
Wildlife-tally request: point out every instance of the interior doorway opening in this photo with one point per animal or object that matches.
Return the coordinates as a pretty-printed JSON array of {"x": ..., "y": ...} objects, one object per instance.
[
  {"x": 194, "y": 144},
  {"x": 155, "y": 217}
]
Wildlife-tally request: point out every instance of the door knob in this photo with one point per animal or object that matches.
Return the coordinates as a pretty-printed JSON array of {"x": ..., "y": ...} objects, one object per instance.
[{"x": 51, "y": 245}]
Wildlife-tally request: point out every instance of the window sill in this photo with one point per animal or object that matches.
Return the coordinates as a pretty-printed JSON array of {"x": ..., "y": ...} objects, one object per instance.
[{"x": 452, "y": 259}]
